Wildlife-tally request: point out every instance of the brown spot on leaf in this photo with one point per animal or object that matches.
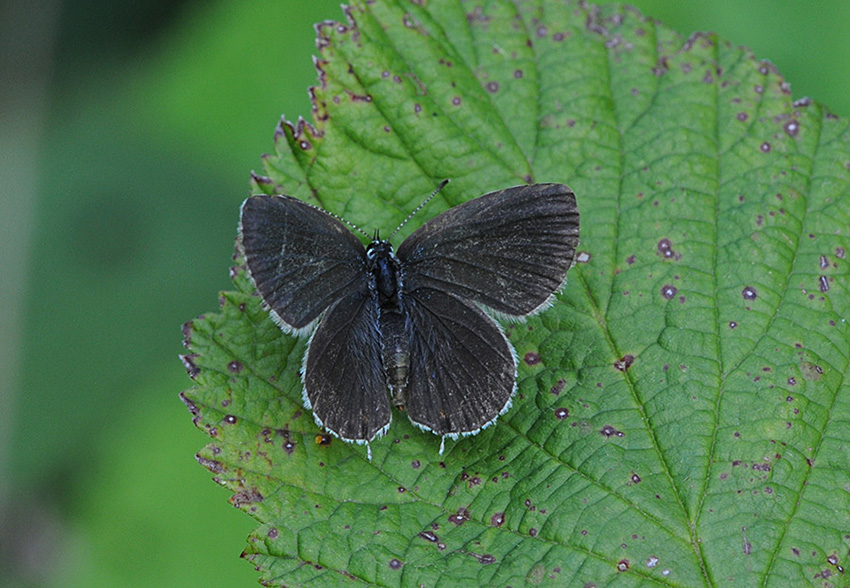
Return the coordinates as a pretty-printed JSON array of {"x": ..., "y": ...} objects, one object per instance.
[
  {"x": 358, "y": 97},
  {"x": 558, "y": 387},
  {"x": 531, "y": 358},
  {"x": 212, "y": 465},
  {"x": 189, "y": 363},
  {"x": 811, "y": 371},
  {"x": 460, "y": 517},
  {"x": 792, "y": 128},
  {"x": 665, "y": 249},
  {"x": 189, "y": 404},
  {"x": 246, "y": 496},
  {"x": 187, "y": 333},
  {"x": 624, "y": 363},
  {"x": 609, "y": 431}
]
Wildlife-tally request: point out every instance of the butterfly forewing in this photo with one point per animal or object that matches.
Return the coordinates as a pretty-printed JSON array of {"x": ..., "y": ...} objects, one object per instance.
[
  {"x": 301, "y": 259},
  {"x": 509, "y": 250},
  {"x": 344, "y": 381},
  {"x": 462, "y": 369}
]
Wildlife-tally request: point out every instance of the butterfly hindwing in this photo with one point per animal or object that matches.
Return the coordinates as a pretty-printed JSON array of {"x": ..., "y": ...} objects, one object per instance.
[
  {"x": 300, "y": 258},
  {"x": 344, "y": 381},
  {"x": 508, "y": 250},
  {"x": 462, "y": 369}
]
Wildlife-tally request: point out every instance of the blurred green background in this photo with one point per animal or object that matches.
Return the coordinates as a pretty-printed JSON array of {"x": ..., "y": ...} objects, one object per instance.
[{"x": 127, "y": 134}]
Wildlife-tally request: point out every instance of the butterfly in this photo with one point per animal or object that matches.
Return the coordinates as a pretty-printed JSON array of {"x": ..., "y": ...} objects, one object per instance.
[{"x": 409, "y": 328}]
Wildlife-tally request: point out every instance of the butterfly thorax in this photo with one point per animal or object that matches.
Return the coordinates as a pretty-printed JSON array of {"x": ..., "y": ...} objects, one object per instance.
[
  {"x": 385, "y": 271},
  {"x": 385, "y": 279}
]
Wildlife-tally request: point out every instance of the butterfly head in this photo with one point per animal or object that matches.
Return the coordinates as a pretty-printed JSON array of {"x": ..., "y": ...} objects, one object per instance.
[{"x": 378, "y": 249}]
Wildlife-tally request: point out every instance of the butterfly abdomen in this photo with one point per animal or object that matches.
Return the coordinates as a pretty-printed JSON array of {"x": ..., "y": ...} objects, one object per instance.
[{"x": 396, "y": 353}]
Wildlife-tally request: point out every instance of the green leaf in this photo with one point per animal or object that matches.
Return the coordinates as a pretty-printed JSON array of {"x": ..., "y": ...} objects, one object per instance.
[{"x": 683, "y": 413}]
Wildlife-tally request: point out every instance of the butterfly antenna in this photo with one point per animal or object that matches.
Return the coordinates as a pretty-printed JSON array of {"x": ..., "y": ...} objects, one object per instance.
[
  {"x": 418, "y": 208},
  {"x": 340, "y": 219}
]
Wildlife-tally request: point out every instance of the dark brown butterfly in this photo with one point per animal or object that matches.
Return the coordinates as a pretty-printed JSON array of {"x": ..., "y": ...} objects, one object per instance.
[{"x": 408, "y": 327}]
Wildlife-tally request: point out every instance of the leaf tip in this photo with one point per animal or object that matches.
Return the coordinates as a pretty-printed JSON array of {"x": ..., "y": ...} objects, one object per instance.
[{"x": 192, "y": 368}]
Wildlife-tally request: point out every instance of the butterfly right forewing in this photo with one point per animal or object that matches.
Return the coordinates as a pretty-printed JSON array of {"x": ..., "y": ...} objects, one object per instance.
[
  {"x": 301, "y": 259},
  {"x": 508, "y": 250}
]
